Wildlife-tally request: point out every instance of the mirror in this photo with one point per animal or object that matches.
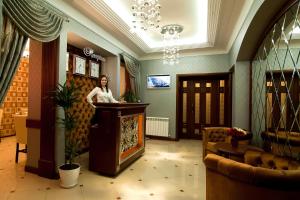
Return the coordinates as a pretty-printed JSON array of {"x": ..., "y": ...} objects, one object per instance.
[{"x": 276, "y": 85}]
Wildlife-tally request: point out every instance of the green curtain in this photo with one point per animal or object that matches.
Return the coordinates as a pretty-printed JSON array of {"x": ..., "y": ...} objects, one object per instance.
[
  {"x": 13, "y": 43},
  {"x": 133, "y": 67},
  {"x": 35, "y": 18},
  {"x": 20, "y": 19}
]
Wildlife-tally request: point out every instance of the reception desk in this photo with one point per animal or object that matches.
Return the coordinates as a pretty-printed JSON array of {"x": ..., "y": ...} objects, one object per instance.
[{"x": 118, "y": 138}]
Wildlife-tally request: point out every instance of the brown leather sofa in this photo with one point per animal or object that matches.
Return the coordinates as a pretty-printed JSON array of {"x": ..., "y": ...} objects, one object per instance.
[{"x": 272, "y": 177}]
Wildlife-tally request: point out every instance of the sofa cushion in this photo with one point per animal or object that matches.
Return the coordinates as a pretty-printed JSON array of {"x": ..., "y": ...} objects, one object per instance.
[
  {"x": 269, "y": 161},
  {"x": 271, "y": 178},
  {"x": 253, "y": 158},
  {"x": 210, "y": 147}
]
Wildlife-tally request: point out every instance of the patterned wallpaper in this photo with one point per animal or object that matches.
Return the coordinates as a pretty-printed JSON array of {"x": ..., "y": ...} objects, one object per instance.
[
  {"x": 16, "y": 99},
  {"x": 82, "y": 111}
]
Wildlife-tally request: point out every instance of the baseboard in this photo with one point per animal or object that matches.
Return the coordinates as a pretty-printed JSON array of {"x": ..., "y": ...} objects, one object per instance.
[
  {"x": 31, "y": 169},
  {"x": 160, "y": 138}
]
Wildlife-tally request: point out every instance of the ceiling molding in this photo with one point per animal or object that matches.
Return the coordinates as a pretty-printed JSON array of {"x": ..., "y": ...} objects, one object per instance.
[
  {"x": 71, "y": 10},
  {"x": 186, "y": 53},
  {"x": 224, "y": 21},
  {"x": 102, "y": 8},
  {"x": 213, "y": 19}
]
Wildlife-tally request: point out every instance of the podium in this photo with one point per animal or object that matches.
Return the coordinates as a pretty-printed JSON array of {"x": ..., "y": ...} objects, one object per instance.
[{"x": 118, "y": 138}]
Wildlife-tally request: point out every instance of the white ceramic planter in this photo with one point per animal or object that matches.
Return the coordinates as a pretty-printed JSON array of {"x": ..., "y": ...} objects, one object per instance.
[{"x": 69, "y": 178}]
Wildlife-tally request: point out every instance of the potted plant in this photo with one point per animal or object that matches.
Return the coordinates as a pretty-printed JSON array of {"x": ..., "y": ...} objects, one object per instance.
[
  {"x": 129, "y": 97},
  {"x": 66, "y": 96}
]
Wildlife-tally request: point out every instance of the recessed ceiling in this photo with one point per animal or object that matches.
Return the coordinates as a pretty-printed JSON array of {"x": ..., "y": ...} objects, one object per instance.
[
  {"x": 193, "y": 32},
  {"x": 81, "y": 43},
  {"x": 221, "y": 24}
]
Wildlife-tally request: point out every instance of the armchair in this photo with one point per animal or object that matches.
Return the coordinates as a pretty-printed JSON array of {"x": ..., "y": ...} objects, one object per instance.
[
  {"x": 213, "y": 135},
  {"x": 1, "y": 115},
  {"x": 21, "y": 134}
]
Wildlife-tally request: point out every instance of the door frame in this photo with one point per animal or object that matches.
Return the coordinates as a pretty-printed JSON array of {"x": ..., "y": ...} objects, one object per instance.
[{"x": 200, "y": 75}]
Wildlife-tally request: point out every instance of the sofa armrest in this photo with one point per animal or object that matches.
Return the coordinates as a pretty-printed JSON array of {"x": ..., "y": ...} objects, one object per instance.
[{"x": 271, "y": 178}]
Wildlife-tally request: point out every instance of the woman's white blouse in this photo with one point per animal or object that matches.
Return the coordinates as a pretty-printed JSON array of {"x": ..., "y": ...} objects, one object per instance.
[{"x": 102, "y": 96}]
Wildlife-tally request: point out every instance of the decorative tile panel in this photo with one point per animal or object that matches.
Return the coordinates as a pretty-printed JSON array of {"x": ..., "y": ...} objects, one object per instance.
[
  {"x": 16, "y": 98},
  {"x": 129, "y": 132}
]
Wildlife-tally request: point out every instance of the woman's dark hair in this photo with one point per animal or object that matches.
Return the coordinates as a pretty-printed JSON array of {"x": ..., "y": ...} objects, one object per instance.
[{"x": 106, "y": 86}]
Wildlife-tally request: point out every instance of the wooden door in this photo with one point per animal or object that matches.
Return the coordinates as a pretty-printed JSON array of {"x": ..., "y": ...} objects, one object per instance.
[{"x": 204, "y": 101}]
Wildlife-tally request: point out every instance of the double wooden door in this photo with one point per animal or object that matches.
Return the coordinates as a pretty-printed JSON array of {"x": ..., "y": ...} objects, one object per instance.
[{"x": 204, "y": 101}]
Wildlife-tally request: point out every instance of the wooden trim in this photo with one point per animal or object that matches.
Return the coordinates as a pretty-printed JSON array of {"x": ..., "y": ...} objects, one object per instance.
[
  {"x": 33, "y": 123},
  {"x": 177, "y": 107},
  {"x": 46, "y": 163},
  {"x": 161, "y": 138}
]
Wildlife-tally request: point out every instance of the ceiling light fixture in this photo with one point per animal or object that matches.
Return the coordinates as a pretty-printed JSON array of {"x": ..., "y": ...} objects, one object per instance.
[
  {"x": 170, "y": 36},
  {"x": 146, "y": 14}
]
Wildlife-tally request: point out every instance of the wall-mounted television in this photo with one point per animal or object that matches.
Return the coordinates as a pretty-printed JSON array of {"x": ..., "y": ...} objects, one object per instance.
[{"x": 158, "y": 81}]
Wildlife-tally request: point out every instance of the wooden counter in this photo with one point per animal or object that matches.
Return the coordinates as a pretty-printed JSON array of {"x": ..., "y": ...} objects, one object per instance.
[{"x": 119, "y": 137}]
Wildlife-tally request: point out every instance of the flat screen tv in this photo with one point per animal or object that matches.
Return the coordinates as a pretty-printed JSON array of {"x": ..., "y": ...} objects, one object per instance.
[{"x": 158, "y": 81}]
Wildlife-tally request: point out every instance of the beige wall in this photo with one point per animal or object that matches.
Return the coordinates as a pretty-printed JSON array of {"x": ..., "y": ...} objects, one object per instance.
[
  {"x": 34, "y": 102},
  {"x": 111, "y": 68}
]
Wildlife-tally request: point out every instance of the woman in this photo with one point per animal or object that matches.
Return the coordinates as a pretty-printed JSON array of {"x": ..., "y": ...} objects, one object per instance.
[{"x": 103, "y": 95}]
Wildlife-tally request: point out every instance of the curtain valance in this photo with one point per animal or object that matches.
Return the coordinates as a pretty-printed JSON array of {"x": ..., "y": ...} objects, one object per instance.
[
  {"x": 35, "y": 18},
  {"x": 20, "y": 20}
]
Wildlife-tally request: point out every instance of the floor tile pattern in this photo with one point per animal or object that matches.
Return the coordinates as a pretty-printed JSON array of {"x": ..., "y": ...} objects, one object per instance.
[{"x": 167, "y": 171}]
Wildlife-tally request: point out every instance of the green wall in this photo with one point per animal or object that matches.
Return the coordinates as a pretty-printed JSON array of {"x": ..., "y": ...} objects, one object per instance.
[
  {"x": 163, "y": 101},
  {"x": 234, "y": 51}
]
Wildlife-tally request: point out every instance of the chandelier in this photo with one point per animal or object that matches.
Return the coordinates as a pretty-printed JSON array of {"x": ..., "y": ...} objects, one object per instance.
[
  {"x": 171, "y": 35},
  {"x": 146, "y": 14}
]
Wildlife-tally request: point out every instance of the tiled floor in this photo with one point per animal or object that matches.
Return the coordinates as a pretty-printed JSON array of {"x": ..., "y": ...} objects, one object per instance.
[{"x": 167, "y": 171}]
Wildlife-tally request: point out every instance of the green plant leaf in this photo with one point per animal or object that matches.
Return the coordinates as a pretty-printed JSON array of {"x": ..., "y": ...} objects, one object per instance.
[{"x": 66, "y": 96}]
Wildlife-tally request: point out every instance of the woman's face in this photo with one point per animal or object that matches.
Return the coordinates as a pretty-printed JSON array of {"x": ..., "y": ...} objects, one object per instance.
[{"x": 103, "y": 81}]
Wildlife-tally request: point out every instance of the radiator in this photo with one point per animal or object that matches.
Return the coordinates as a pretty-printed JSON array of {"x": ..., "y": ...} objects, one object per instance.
[{"x": 157, "y": 126}]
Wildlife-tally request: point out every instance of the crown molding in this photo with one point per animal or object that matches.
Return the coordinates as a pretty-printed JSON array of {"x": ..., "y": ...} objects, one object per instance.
[
  {"x": 212, "y": 20},
  {"x": 85, "y": 21},
  {"x": 186, "y": 53},
  {"x": 102, "y": 8},
  {"x": 117, "y": 22}
]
